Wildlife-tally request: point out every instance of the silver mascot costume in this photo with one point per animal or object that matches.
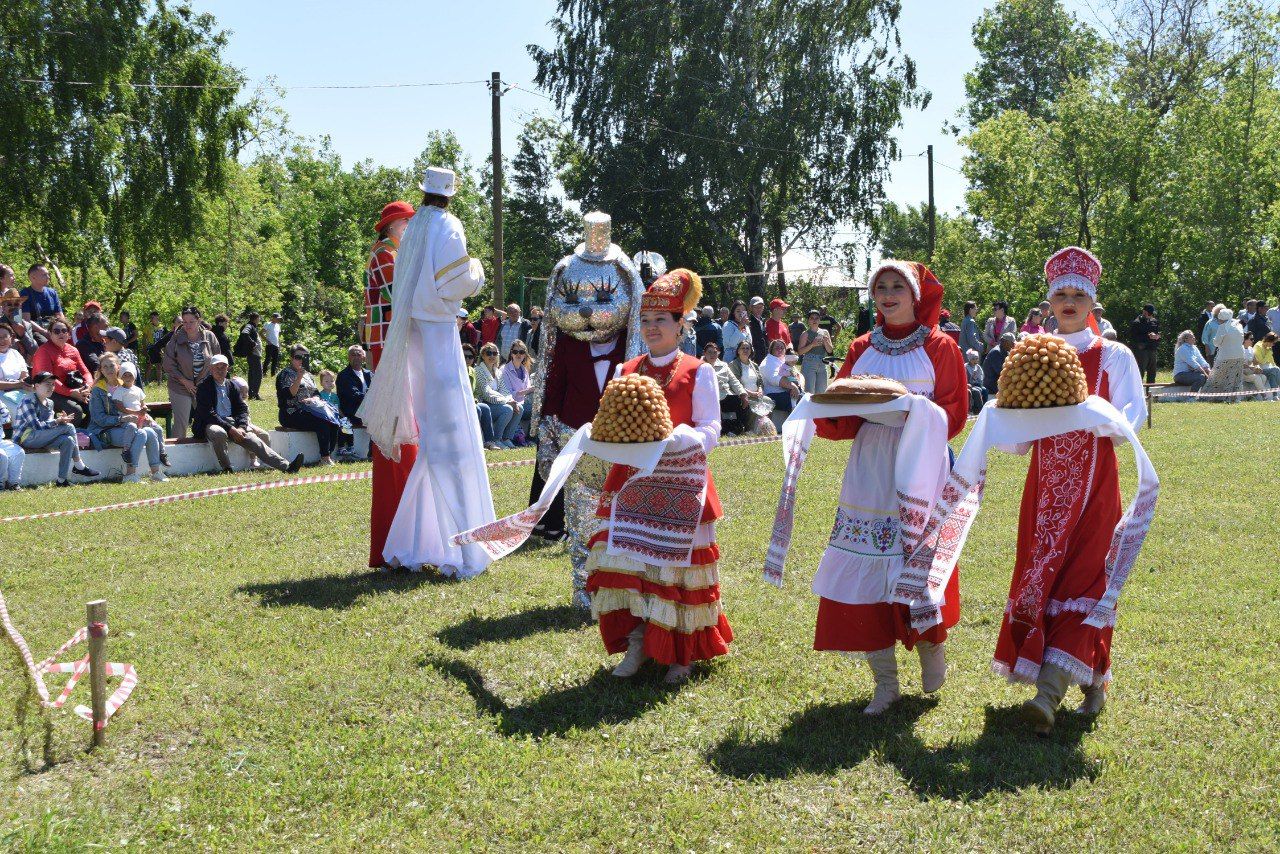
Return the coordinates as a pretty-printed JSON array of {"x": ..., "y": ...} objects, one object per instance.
[{"x": 590, "y": 325}]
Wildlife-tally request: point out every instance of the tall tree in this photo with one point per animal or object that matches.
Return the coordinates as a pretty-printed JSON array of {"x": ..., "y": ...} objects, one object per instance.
[
  {"x": 741, "y": 121},
  {"x": 1028, "y": 51},
  {"x": 539, "y": 227}
]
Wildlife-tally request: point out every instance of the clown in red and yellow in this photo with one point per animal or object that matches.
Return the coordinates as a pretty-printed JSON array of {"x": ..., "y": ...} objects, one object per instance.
[
  {"x": 667, "y": 610},
  {"x": 865, "y": 555}
]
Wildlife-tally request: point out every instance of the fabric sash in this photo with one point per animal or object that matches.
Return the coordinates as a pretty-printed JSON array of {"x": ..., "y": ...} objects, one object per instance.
[
  {"x": 920, "y": 470},
  {"x": 1011, "y": 429},
  {"x": 653, "y": 505}
]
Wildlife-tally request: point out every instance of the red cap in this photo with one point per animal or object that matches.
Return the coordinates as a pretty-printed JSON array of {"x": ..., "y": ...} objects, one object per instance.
[
  {"x": 777, "y": 303},
  {"x": 93, "y": 303},
  {"x": 944, "y": 315},
  {"x": 393, "y": 212}
]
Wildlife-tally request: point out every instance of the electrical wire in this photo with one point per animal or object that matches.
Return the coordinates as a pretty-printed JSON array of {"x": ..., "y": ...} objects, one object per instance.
[{"x": 134, "y": 85}]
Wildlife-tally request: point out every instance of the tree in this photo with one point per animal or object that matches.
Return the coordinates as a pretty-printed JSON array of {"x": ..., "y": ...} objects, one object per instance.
[
  {"x": 721, "y": 127},
  {"x": 111, "y": 173},
  {"x": 1029, "y": 50},
  {"x": 539, "y": 227}
]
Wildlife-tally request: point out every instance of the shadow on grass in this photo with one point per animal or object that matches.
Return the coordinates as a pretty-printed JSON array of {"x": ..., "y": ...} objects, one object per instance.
[
  {"x": 601, "y": 700},
  {"x": 1006, "y": 756},
  {"x": 337, "y": 591},
  {"x": 474, "y": 631}
]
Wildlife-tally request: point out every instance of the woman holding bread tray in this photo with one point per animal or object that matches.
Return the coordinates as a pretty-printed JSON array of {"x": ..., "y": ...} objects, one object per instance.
[{"x": 889, "y": 484}]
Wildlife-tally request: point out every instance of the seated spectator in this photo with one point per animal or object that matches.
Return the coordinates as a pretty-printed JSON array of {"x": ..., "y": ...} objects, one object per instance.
[
  {"x": 748, "y": 374},
  {"x": 948, "y": 326},
  {"x": 1264, "y": 357},
  {"x": 329, "y": 394},
  {"x": 689, "y": 338},
  {"x": 90, "y": 343},
  {"x": 109, "y": 428},
  {"x": 70, "y": 374},
  {"x": 243, "y": 384},
  {"x": 733, "y": 397},
  {"x": 514, "y": 377},
  {"x": 503, "y": 407},
  {"x": 1189, "y": 367},
  {"x": 353, "y": 384},
  {"x": 1253, "y": 373},
  {"x": 993, "y": 364},
  {"x": 39, "y": 426},
  {"x": 113, "y": 341},
  {"x": 221, "y": 415},
  {"x": 130, "y": 399},
  {"x": 186, "y": 364},
  {"x": 483, "y": 413},
  {"x": 301, "y": 407},
  {"x": 977, "y": 388},
  {"x": 11, "y": 459},
  {"x": 13, "y": 377},
  {"x": 779, "y": 379},
  {"x": 1032, "y": 326}
]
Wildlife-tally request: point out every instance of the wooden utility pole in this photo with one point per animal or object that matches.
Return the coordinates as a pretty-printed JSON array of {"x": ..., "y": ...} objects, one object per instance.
[
  {"x": 96, "y": 615},
  {"x": 495, "y": 92},
  {"x": 932, "y": 209}
]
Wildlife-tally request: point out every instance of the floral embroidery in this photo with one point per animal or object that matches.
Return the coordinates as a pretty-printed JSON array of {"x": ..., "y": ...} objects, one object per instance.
[{"x": 855, "y": 532}]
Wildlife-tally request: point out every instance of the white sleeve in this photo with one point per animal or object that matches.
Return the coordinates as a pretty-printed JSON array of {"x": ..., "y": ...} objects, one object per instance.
[
  {"x": 1125, "y": 385},
  {"x": 458, "y": 276},
  {"x": 706, "y": 406}
]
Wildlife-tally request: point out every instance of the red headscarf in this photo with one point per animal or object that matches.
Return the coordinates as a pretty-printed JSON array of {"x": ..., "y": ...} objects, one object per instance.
[{"x": 924, "y": 286}]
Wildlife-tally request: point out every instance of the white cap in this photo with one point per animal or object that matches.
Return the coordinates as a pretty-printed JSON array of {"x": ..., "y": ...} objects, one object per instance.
[
  {"x": 439, "y": 182},
  {"x": 129, "y": 368},
  {"x": 462, "y": 312},
  {"x": 219, "y": 360},
  {"x": 757, "y": 300}
]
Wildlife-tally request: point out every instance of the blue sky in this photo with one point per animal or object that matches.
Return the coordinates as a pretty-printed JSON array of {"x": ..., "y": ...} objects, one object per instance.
[{"x": 324, "y": 41}]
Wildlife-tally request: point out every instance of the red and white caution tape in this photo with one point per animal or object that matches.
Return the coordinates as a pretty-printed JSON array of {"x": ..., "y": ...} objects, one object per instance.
[
  {"x": 279, "y": 484},
  {"x": 1156, "y": 394},
  {"x": 77, "y": 669}
]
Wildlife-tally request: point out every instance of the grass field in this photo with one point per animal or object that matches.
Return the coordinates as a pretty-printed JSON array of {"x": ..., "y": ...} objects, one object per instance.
[{"x": 290, "y": 700}]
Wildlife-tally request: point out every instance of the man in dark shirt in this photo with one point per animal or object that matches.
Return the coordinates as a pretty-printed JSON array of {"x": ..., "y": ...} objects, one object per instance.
[
  {"x": 130, "y": 331},
  {"x": 90, "y": 345},
  {"x": 1144, "y": 332},
  {"x": 756, "y": 319},
  {"x": 40, "y": 303},
  {"x": 994, "y": 362},
  {"x": 708, "y": 331},
  {"x": 1258, "y": 324},
  {"x": 829, "y": 323}
]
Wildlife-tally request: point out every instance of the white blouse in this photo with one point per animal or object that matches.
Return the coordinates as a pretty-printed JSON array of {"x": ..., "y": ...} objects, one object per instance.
[
  {"x": 1124, "y": 380},
  {"x": 772, "y": 370},
  {"x": 706, "y": 398}
]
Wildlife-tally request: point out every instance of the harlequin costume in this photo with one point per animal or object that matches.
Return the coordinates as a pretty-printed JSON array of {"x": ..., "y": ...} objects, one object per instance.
[
  {"x": 389, "y": 477},
  {"x": 652, "y": 602},
  {"x": 863, "y": 563},
  {"x": 1052, "y": 634}
]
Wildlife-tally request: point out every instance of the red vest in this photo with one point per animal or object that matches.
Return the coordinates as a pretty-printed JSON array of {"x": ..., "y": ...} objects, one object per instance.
[{"x": 679, "y": 394}]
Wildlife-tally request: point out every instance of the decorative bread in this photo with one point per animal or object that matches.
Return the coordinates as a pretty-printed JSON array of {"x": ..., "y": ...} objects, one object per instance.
[
  {"x": 632, "y": 409},
  {"x": 863, "y": 388},
  {"x": 1041, "y": 370}
]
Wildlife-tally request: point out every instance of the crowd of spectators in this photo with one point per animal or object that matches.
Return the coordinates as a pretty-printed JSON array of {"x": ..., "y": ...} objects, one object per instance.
[{"x": 71, "y": 384}]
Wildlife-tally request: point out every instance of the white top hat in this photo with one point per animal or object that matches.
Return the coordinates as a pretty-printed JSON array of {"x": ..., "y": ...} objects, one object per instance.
[{"x": 439, "y": 182}]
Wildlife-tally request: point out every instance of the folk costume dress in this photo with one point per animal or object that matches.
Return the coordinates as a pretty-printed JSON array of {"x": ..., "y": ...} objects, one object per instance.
[
  {"x": 389, "y": 476},
  {"x": 856, "y": 576},
  {"x": 1070, "y": 509},
  {"x": 422, "y": 395},
  {"x": 672, "y": 607}
]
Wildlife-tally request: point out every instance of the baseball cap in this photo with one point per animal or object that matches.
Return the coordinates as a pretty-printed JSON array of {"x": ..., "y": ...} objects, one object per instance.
[
  {"x": 778, "y": 303},
  {"x": 129, "y": 368},
  {"x": 115, "y": 333},
  {"x": 219, "y": 360},
  {"x": 757, "y": 300},
  {"x": 462, "y": 312}
]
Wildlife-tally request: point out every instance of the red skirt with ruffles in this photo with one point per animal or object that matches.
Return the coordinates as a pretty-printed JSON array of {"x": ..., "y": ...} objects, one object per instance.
[{"x": 867, "y": 628}]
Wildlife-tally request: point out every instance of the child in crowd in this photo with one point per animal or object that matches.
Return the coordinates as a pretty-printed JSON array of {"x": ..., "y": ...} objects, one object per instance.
[
  {"x": 329, "y": 394},
  {"x": 977, "y": 389},
  {"x": 11, "y": 459},
  {"x": 130, "y": 399},
  {"x": 38, "y": 426}
]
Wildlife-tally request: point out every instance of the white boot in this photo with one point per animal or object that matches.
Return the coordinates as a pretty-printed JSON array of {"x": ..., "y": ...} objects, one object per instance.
[
  {"x": 933, "y": 666},
  {"x": 635, "y": 656},
  {"x": 1051, "y": 686},
  {"x": 1095, "y": 699},
  {"x": 884, "y": 667}
]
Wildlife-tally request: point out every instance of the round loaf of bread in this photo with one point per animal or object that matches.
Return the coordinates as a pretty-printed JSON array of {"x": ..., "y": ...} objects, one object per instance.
[{"x": 863, "y": 388}]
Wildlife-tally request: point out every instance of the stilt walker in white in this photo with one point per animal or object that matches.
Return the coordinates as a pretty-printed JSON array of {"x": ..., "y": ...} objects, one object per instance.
[{"x": 421, "y": 393}]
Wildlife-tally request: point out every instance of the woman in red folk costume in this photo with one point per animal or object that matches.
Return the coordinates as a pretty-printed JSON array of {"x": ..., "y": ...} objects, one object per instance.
[
  {"x": 858, "y": 569},
  {"x": 389, "y": 477},
  {"x": 1070, "y": 507},
  {"x": 669, "y": 611}
]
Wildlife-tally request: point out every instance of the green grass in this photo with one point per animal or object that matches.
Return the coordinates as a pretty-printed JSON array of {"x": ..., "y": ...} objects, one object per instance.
[{"x": 289, "y": 700}]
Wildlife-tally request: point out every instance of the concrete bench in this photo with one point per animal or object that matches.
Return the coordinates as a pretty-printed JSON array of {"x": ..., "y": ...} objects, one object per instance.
[
  {"x": 186, "y": 457},
  {"x": 288, "y": 443}
]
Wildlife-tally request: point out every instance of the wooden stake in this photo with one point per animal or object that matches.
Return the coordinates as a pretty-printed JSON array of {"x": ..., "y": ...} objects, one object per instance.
[{"x": 97, "y": 621}]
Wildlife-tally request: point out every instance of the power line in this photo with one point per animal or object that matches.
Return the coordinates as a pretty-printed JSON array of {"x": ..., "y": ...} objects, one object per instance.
[{"x": 135, "y": 85}]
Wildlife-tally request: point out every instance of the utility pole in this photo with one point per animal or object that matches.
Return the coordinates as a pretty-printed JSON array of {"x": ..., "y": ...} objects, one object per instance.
[
  {"x": 932, "y": 209},
  {"x": 495, "y": 90}
]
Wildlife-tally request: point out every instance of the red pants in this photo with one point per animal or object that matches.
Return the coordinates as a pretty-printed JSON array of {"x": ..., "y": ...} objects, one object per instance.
[{"x": 389, "y": 478}]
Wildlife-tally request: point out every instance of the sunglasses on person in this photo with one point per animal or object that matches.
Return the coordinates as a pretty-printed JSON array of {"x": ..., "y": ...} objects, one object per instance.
[
  {"x": 60, "y": 331},
  {"x": 519, "y": 352}
]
